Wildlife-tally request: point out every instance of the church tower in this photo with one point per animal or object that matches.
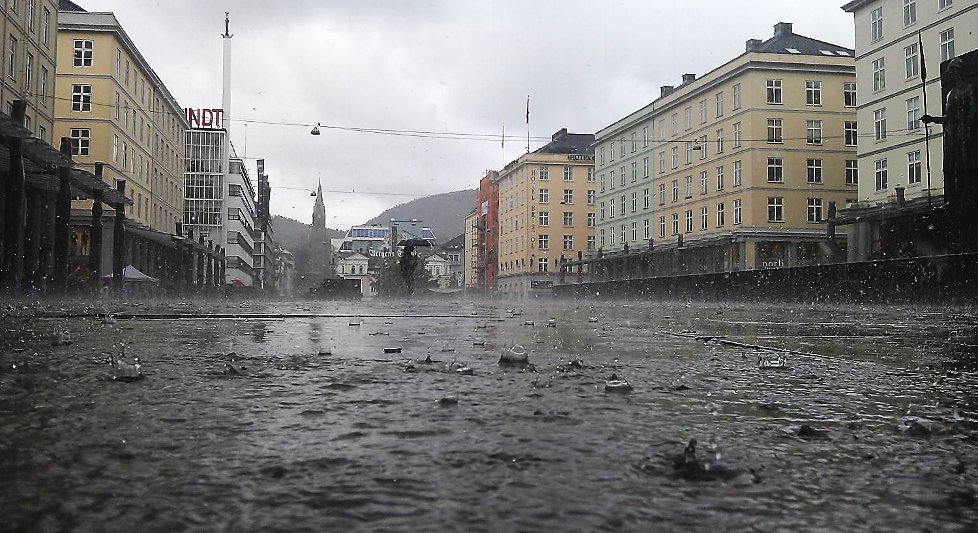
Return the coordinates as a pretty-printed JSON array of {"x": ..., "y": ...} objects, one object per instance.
[{"x": 320, "y": 263}]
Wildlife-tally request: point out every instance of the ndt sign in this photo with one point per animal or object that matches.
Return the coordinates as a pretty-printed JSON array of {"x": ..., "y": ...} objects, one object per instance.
[{"x": 205, "y": 118}]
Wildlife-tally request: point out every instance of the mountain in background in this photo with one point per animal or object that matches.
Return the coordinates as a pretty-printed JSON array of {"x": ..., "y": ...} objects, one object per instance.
[
  {"x": 292, "y": 234},
  {"x": 443, "y": 213}
]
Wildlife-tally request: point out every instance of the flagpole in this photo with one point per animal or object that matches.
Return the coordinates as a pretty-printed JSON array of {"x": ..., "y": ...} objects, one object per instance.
[
  {"x": 502, "y": 142},
  {"x": 923, "y": 88},
  {"x": 527, "y": 123}
]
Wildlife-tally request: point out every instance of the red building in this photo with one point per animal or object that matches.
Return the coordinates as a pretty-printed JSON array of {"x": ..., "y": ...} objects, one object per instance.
[{"x": 488, "y": 230}]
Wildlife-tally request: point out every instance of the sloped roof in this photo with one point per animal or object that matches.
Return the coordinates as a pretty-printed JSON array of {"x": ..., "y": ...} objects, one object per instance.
[
  {"x": 784, "y": 41},
  {"x": 68, "y": 5}
]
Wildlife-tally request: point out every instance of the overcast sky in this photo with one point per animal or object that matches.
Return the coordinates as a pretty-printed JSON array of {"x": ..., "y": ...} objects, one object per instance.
[{"x": 461, "y": 66}]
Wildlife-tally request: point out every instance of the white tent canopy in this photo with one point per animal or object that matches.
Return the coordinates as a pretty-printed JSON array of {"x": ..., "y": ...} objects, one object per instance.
[{"x": 131, "y": 273}]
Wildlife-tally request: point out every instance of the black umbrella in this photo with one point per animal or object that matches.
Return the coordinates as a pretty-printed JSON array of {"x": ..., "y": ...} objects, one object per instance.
[{"x": 413, "y": 242}]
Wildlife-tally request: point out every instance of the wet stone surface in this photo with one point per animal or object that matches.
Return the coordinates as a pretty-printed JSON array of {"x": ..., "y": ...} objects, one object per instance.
[{"x": 804, "y": 417}]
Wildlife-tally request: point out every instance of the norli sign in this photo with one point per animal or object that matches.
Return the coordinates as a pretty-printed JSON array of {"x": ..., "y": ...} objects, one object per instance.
[{"x": 205, "y": 118}]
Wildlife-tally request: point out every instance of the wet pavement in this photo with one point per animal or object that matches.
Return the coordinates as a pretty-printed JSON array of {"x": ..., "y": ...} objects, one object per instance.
[{"x": 307, "y": 417}]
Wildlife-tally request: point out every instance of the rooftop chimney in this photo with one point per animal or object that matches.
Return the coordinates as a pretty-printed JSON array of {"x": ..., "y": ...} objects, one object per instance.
[
  {"x": 562, "y": 132},
  {"x": 782, "y": 28},
  {"x": 687, "y": 78},
  {"x": 753, "y": 44},
  {"x": 665, "y": 90}
]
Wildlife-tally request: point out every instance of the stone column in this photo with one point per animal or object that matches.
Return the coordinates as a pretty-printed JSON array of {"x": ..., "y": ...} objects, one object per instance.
[
  {"x": 62, "y": 221},
  {"x": 119, "y": 239},
  {"x": 12, "y": 258},
  {"x": 95, "y": 241}
]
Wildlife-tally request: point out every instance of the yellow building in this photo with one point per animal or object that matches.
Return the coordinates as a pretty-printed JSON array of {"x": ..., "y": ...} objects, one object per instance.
[
  {"x": 733, "y": 170},
  {"x": 119, "y": 112},
  {"x": 470, "y": 251},
  {"x": 546, "y": 211},
  {"x": 27, "y": 68}
]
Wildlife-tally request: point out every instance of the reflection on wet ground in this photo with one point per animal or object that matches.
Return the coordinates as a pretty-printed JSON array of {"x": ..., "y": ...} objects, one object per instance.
[{"x": 327, "y": 416}]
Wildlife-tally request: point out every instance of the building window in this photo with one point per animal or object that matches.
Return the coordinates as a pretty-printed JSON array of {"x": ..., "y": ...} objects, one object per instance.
[
  {"x": 645, "y": 198},
  {"x": 688, "y": 115},
  {"x": 43, "y": 86},
  {"x": 662, "y": 194},
  {"x": 721, "y": 215},
  {"x": 621, "y": 143},
  {"x": 662, "y": 162},
  {"x": 689, "y": 221},
  {"x": 814, "y": 170},
  {"x": 942, "y": 4},
  {"x": 689, "y": 152},
  {"x": 29, "y": 72},
  {"x": 646, "y": 230},
  {"x": 568, "y": 219},
  {"x": 601, "y": 210},
  {"x": 590, "y": 174},
  {"x": 542, "y": 264},
  {"x": 775, "y": 170},
  {"x": 590, "y": 243},
  {"x": 719, "y": 142},
  {"x": 127, "y": 73},
  {"x": 736, "y": 134},
  {"x": 675, "y": 190},
  {"x": 611, "y": 182},
  {"x": 850, "y": 133},
  {"x": 543, "y": 242},
  {"x": 849, "y": 93},
  {"x": 12, "y": 57},
  {"x": 544, "y": 196},
  {"x": 81, "y": 141},
  {"x": 81, "y": 97},
  {"x": 645, "y": 137},
  {"x": 568, "y": 242},
  {"x": 947, "y": 44},
  {"x": 46, "y": 28},
  {"x": 738, "y": 173},
  {"x": 738, "y": 211},
  {"x": 719, "y": 105},
  {"x": 568, "y": 196},
  {"x": 118, "y": 63},
  {"x": 704, "y": 182},
  {"x": 621, "y": 205},
  {"x": 879, "y": 124},
  {"x": 879, "y": 74},
  {"x": 876, "y": 23},
  {"x": 544, "y": 173},
  {"x": 675, "y": 123},
  {"x": 634, "y": 171},
  {"x": 611, "y": 206},
  {"x": 115, "y": 148},
  {"x": 634, "y": 143},
  {"x": 775, "y": 209},
  {"x": 913, "y": 167},
  {"x": 689, "y": 186},
  {"x": 645, "y": 167},
  {"x": 880, "y": 173},
  {"x": 623, "y": 234},
  {"x": 703, "y": 112},
  {"x": 813, "y": 131},
  {"x": 675, "y": 157},
  {"x": 736, "y": 96},
  {"x": 704, "y": 219},
  {"x": 83, "y": 53},
  {"x": 125, "y": 155},
  {"x": 568, "y": 173},
  {"x": 634, "y": 231},
  {"x": 544, "y": 218},
  {"x": 912, "y": 63},
  {"x": 852, "y": 172},
  {"x": 675, "y": 223},
  {"x": 813, "y": 92},
  {"x": 590, "y": 196},
  {"x": 30, "y": 14},
  {"x": 774, "y": 130},
  {"x": 814, "y": 209},
  {"x": 118, "y": 106},
  {"x": 601, "y": 155},
  {"x": 913, "y": 113},
  {"x": 634, "y": 202},
  {"x": 774, "y": 91},
  {"x": 591, "y": 222},
  {"x": 662, "y": 226},
  {"x": 720, "y": 183},
  {"x": 909, "y": 12}
]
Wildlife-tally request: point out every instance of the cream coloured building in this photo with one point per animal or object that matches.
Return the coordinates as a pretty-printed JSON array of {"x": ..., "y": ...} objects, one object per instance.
[
  {"x": 892, "y": 149},
  {"x": 28, "y": 66},
  {"x": 546, "y": 211},
  {"x": 735, "y": 169},
  {"x": 470, "y": 251},
  {"x": 119, "y": 112}
]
